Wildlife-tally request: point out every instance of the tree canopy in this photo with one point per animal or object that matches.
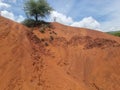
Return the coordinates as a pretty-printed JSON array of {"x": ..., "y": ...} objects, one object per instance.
[{"x": 37, "y": 9}]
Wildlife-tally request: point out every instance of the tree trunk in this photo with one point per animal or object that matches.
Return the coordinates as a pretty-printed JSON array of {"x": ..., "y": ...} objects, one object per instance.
[{"x": 36, "y": 18}]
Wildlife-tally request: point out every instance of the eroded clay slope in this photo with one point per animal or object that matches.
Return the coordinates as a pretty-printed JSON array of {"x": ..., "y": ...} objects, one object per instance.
[
  {"x": 62, "y": 58},
  {"x": 24, "y": 64}
]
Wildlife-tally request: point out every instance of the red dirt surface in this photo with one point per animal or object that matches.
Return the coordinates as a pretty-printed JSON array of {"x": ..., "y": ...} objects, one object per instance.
[{"x": 62, "y": 58}]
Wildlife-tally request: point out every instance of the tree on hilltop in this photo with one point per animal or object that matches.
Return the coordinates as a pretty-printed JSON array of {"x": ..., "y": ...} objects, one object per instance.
[{"x": 37, "y": 9}]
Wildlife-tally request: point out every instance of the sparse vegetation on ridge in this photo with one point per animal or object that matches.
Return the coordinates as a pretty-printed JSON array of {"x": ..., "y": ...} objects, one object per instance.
[{"x": 115, "y": 33}]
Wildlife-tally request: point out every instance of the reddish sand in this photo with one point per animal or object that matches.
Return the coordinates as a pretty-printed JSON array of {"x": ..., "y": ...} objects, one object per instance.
[{"x": 62, "y": 58}]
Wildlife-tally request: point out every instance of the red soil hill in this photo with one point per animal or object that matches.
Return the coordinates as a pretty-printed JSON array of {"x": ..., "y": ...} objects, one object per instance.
[{"x": 62, "y": 58}]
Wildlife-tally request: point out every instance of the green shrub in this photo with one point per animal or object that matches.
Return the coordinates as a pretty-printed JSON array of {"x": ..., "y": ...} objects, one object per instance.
[
  {"x": 42, "y": 24},
  {"x": 29, "y": 22}
]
